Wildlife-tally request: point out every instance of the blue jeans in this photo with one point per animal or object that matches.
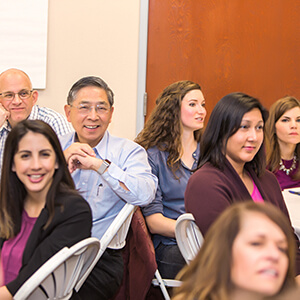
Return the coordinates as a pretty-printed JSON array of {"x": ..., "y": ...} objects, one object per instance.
[{"x": 169, "y": 260}]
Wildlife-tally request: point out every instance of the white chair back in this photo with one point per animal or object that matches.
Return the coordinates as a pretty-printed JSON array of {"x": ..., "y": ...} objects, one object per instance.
[
  {"x": 188, "y": 236},
  {"x": 115, "y": 235},
  {"x": 58, "y": 276}
]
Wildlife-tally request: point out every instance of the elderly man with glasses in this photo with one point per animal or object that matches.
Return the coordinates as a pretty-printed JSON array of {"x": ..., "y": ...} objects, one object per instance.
[
  {"x": 108, "y": 171},
  {"x": 17, "y": 103}
]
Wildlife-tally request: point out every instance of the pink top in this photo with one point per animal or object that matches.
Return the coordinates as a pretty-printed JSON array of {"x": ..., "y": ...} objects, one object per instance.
[
  {"x": 12, "y": 250},
  {"x": 256, "y": 196}
]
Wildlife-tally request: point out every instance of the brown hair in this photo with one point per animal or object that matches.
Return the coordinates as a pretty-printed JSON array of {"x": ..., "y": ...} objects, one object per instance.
[
  {"x": 209, "y": 274},
  {"x": 272, "y": 146},
  {"x": 163, "y": 128},
  {"x": 12, "y": 190}
]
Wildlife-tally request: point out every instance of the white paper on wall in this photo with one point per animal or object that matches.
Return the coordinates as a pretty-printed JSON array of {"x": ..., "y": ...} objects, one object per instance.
[{"x": 23, "y": 38}]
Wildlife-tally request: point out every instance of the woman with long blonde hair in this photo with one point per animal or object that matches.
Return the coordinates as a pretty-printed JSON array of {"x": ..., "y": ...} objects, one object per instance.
[{"x": 248, "y": 253}]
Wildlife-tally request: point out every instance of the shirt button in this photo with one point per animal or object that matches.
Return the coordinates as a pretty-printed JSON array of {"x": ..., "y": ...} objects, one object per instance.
[{"x": 194, "y": 154}]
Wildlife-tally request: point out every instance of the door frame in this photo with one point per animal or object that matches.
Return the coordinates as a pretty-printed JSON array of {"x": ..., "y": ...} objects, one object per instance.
[{"x": 142, "y": 65}]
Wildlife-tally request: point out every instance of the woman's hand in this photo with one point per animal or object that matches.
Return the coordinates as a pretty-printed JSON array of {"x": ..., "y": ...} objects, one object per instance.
[{"x": 159, "y": 224}]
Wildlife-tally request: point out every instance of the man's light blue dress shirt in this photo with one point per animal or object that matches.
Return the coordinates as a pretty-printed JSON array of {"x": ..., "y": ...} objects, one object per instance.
[{"x": 129, "y": 164}]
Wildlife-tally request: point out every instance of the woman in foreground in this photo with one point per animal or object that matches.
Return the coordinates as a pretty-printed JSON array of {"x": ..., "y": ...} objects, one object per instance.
[
  {"x": 248, "y": 253},
  {"x": 40, "y": 211}
]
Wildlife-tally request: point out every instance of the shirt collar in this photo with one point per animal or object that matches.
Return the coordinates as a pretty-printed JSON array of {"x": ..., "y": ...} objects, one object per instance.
[{"x": 102, "y": 147}]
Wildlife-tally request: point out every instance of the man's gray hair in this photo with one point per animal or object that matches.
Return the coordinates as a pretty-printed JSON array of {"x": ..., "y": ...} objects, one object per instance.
[{"x": 90, "y": 81}]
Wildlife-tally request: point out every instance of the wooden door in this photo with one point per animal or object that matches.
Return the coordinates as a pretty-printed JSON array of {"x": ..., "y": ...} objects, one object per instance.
[{"x": 250, "y": 46}]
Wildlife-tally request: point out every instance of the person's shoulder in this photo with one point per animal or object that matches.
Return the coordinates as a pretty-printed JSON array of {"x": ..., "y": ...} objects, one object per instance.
[
  {"x": 66, "y": 139},
  {"x": 47, "y": 115},
  {"x": 208, "y": 176},
  {"x": 268, "y": 176},
  {"x": 48, "y": 110},
  {"x": 157, "y": 155},
  {"x": 123, "y": 143},
  {"x": 208, "y": 169},
  {"x": 153, "y": 151}
]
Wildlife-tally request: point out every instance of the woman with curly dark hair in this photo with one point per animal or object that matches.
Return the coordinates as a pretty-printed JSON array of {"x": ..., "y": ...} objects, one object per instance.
[{"x": 171, "y": 137}]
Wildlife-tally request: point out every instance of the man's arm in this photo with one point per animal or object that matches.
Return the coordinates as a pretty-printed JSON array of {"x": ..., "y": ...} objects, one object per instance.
[{"x": 130, "y": 177}]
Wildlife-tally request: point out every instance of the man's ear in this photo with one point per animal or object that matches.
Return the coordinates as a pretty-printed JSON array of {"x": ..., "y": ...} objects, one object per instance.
[
  {"x": 35, "y": 95},
  {"x": 111, "y": 113},
  {"x": 68, "y": 111}
]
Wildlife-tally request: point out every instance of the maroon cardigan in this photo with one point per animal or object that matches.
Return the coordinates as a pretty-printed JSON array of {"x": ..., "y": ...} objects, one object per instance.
[
  {"x": 211, "y": 190},
  {"x": 139, "y": 261}
]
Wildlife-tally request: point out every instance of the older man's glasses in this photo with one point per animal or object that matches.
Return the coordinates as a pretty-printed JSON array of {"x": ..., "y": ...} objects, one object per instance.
[
  {"x": 85, "y": 109},
  {"x": 9, "y": 96}
]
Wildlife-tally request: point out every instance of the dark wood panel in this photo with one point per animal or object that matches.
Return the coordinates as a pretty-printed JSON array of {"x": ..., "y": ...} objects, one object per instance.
[{"x": 249, "y": 46}]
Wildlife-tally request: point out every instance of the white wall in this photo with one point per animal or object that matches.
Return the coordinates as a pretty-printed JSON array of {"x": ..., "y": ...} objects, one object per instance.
[{"x": 94, "y": 37}]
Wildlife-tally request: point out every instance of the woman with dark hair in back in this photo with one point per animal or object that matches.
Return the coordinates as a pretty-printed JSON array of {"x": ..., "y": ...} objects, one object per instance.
[
  {"x": 283, "y": 141},
  {"x": 248, "y": 253},
  {"x": 40, "y": 210},
  {"x": 171, "y": 137},
  {"x": 232, "y": 165}
]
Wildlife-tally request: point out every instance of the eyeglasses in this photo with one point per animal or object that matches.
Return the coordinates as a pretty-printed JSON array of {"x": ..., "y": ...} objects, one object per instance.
[
  {"x": 84, "y": 109},
  {"x": 9, "y": 96}
]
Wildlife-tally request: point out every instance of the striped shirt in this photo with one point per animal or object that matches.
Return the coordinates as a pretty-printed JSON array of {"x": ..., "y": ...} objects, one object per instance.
[{"x": 56, "y": 120}]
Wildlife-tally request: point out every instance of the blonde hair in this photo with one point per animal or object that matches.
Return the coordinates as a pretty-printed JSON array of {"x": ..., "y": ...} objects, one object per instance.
[{"x": 208, "y": 276}]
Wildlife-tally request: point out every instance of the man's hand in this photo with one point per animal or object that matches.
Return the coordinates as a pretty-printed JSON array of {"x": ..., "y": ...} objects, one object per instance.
[
  {"x": 86, "y": 162},
  {"x": 82, "y": 156},
  {"x": 4, "y": 115},
  {"x": 79, "y": 149}
]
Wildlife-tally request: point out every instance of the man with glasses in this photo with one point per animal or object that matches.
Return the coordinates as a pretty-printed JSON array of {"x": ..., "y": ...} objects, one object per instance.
[
  {"x": 17, "y": 103},
  {"x": 107, "y": 170}
]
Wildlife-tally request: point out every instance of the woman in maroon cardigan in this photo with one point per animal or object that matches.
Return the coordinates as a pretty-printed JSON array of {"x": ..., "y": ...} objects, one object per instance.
[{"x": 232, "y": 165}]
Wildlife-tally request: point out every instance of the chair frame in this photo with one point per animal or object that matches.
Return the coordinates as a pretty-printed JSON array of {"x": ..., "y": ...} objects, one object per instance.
[
  {"x": 188, "y": 236},
  {"x": 115, "y": 236},
  {"x": 60, "y": 274},
  {"x": 164, "y": 283}
]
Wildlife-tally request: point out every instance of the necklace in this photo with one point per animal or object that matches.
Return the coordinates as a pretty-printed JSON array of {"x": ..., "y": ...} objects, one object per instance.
[{"x": 284, "y": 169}]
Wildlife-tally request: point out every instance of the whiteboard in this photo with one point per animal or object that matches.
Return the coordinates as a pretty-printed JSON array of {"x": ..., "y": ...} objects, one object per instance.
[{"x": 23, "y": 38}]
